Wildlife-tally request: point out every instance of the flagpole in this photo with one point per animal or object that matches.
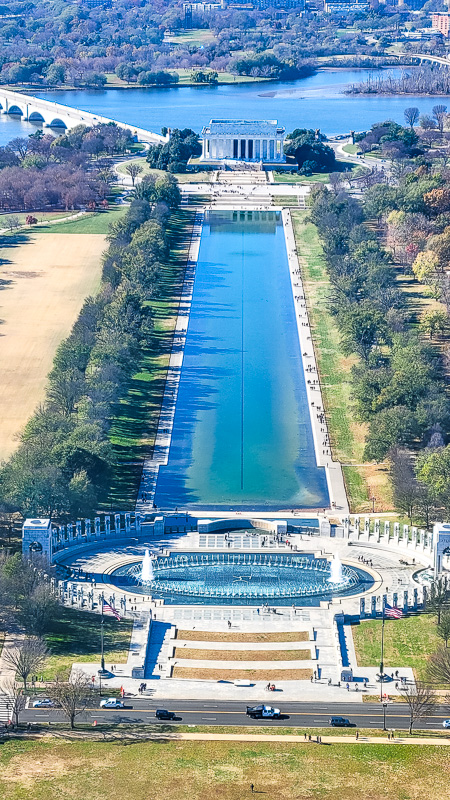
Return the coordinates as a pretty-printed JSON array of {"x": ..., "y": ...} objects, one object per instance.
[
  {"x": 382, "y": 655},
  {"x": 102, "y": 661}
]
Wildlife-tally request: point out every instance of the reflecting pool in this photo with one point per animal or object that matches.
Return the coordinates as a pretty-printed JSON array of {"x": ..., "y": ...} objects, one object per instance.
[{"x": 242, "y": 435}]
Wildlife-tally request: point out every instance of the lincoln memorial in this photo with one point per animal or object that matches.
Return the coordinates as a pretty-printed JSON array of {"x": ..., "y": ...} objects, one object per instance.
[{"x": 243, "y": 140}]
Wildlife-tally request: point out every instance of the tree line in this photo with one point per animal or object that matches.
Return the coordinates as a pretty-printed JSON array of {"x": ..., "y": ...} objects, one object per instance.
[
  {"x": 63, "y": 463},
  {"x": 68, "y": 171},
  {"x": 399, "y": 383}
]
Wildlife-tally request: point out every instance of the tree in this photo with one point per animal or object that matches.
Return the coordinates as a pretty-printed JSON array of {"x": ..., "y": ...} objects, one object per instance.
[
  {"x": 439, "y": 666},
  {"x": 434, "y": 321},
  {"x": 71, "y": 695},
  {"x": 405, "y": 484},
  {"x": 15, "y": 697},
  {"x": 443, "y": 628},
  {"x": 439, "y": 113},
  {"x": 133, "y": 171},
  {"x": 27, "y": 658},
  {"x": 439, "y": 597},
  {"x": 411, "y": 116},
  {"x": 421, "y": 701},
  {"x": 433, "y": 470},
  {"x": 38, "y": 610}
]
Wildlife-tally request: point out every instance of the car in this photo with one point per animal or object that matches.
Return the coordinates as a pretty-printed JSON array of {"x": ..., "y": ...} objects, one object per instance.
[
  {"x": 263, "y": 712},
  {"x": 446, "y": 723},
  {"x": 112, "y": 702},
  {"x": 43, "y": 702},
  {"x": 162, "y": 713},
  {"x": 340, "y": 722}
]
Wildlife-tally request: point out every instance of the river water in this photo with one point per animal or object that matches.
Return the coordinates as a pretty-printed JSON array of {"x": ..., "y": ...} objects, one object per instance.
[{"x": 315, "y": 102}]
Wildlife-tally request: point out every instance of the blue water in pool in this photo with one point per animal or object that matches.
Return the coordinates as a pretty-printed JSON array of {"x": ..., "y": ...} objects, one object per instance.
[{"x": 242, "y": 436}]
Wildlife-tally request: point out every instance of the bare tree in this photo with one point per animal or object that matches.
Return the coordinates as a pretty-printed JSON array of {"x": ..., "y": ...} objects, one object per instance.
[
  {"x": 411, "y": 116},
  {"x": 443, "y": 629},
  {"x": 439, "y": 598},
  {"x": 439, "y": 113},
  {"x": 439, "y": 666},
  {"x": 15, "y": 697},
  {"x": 28, "y": 658},
  {"x": 421, "y": 701},
  {"x": 72, "y": 695},
  {"x": 38, "y": 610},
  {"x": 133, "y": 171}
]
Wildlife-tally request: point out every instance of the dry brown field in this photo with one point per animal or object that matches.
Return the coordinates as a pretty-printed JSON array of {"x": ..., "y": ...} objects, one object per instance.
[{"x": 46, "y": 279}]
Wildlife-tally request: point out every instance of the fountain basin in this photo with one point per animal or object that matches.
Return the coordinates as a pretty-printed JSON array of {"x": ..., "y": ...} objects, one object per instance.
[{"x": 243, "y": 579}]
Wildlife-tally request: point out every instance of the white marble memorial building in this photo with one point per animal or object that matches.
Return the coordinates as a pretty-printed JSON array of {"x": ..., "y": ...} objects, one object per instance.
[{"x": 243, "y": 140}]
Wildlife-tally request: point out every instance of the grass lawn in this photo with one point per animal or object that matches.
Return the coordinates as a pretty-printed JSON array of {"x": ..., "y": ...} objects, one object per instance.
[
  {"x": 223, "y": 77},
  {"x": 224, "y": 674},
  {"x": 316, "y": 177},
  {"x": 407, "y": 642},
  {"x": 90, "y": 223},
  {"x": 46, "y": 276},
  {"x": 41, "y": 216},
  {"x": 206, "y": 636},
  {"x": 193, "y": 36},
  {"x": 54, "y": 769},
  {"x": 285, "y": 200},
  {"x": 352, "y": 149},
  {"x": 76, "y": 637},
  {"x": 182, "y": 177},
  {"x": 136, "y": 416},
  {"x": 346, "y": 434},
  {"x": 242, "y": 655}
]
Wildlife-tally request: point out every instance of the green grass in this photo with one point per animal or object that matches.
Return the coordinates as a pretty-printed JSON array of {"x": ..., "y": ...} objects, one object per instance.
[
  {"x": 316, "y": 177},
  {"x": 407, "y": 642},
  {"x": 334, "y": 367},
  {"x": 90, "y": 223},
  {"x": 41, "y": 216},
  {"x": 193, "y": 36},
  {"x": 136, "y": 417},
  {"x": 75, "y": 636},
  {"x": 55, "y": 769},
  {"x": 351, "y": 148},
  {"x": 288, "y": 200},
  {"x": 182, "y": 177}
]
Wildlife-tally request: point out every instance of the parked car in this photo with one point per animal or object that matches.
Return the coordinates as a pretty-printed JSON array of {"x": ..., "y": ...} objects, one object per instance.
[
  {"x": 43, "y": 702},
  {"x": 112, "y": 702},
  {"x": 340, "y": 722},
  {"x": 263, "y": 712},
  {"x": 446, "y": 723},
  {"x": 162, "y": 713}
]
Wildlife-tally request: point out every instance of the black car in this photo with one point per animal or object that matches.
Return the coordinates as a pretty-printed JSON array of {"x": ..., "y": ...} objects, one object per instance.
[
  {"x": 162, "y": 713},
  {"x": 340, "y": 722}
]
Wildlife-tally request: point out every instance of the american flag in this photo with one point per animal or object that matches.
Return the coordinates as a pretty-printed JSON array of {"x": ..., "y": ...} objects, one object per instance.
[
  {"x": 392, "y": 612},
  {"x": 110, "y": 610}
]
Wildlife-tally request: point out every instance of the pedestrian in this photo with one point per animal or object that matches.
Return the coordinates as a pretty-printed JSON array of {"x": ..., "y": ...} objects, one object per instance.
[
  {"x": 252, "y": 788},
  {"x": 309, "y": 737},
  {"x": 357, "y": 735}
]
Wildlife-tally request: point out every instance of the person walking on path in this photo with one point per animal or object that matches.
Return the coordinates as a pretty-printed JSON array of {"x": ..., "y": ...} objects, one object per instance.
[{"x": 252, "y": 787}]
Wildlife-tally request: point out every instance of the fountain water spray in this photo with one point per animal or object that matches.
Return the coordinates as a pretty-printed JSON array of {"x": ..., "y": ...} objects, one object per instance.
[
  {"x": 336, "y": 570},
  {"x": 147, "y": 573}
]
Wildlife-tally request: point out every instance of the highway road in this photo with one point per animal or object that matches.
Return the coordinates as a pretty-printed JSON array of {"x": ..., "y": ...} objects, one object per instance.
[{"x": 193, "y": 712}]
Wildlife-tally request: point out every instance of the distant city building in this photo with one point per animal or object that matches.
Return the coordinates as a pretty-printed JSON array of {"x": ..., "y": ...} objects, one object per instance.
[
  {"x": 95, "y": 3},
  {"x": 345, "y": 6},
  {"x": 441, "y": 23},
  {"x": 243, "y": 140}
]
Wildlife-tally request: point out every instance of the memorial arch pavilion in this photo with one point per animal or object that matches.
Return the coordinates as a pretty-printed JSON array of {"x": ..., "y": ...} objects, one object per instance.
[{"x": 240, "y": 140}]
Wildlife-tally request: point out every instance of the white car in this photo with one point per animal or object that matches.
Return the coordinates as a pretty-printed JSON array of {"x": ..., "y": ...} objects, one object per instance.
[
  {"x": 111, "y": 702},
  {"x": 446, "y": 723},
  {"x": 43, "y": 702}
]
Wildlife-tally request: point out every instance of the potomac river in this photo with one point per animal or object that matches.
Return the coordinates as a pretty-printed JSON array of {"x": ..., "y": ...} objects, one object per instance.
[{"x": 314, "y": 102}]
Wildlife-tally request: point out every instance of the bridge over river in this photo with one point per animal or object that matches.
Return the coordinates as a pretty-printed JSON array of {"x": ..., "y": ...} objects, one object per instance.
[{"x": 56, "y": 115}]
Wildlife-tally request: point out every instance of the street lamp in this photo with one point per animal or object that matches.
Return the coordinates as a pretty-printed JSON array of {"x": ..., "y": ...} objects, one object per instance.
[{"x": 384, "y": 716}]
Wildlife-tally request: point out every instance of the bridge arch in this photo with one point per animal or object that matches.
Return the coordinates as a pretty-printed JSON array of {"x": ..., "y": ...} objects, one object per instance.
[
  {"x": 35, "y": 116},
  {"x": 57, "y": 123},
  {"x": 15, "y": 110}
]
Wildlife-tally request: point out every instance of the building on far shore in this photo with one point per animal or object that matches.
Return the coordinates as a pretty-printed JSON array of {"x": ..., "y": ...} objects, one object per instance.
[
  {"x": 345, "y": 6},
  {"x": 441, "y": 23},
  {"x": 241, "y": 141}
]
